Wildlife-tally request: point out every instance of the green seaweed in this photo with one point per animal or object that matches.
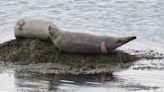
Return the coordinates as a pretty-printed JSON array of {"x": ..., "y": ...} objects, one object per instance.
[{"x": 33, "y": 51}]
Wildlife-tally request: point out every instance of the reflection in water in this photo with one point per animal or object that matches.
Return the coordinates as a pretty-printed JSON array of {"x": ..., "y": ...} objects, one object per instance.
[
  {"x": 57, "y": 82},
  {"x": 7, "y": 80},
  {"x": 134, "y": 78}
]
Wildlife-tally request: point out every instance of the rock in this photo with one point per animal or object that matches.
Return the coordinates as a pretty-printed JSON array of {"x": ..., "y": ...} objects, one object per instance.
[{"x": 34, "y": 51}]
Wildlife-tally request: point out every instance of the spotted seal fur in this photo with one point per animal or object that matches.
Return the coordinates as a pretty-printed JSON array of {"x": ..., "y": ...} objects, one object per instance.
[
  {"x": 32, "y": 28},
  {"x": 83, "y": 43}
]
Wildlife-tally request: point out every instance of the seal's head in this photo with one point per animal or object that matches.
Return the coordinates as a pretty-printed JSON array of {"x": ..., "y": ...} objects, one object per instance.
[
  {"x": 18, "y": 28},
  {"x": 53, "y": 31}
]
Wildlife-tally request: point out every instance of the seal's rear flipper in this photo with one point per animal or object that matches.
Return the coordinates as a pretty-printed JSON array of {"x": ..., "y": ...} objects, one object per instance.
[
  {"x": 124, "y": 40},
  {"x": 131, "y": 38}
]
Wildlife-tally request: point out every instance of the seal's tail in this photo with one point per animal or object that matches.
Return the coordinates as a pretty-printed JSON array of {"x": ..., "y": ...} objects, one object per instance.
[{"x": 131, "y": 38}]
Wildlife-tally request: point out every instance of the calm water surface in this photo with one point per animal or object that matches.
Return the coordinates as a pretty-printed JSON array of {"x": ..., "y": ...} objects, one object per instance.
[{"x": 143, "y": 18}]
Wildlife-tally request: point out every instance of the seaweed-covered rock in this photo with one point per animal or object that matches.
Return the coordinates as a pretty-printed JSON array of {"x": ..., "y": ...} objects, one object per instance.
[{"x": 33, "y": 51}]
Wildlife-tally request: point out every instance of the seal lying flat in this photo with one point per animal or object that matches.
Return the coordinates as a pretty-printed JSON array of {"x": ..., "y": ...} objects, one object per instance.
[
  {"x": 28, "y": 28},
  {"x": 83, "y": 43}
]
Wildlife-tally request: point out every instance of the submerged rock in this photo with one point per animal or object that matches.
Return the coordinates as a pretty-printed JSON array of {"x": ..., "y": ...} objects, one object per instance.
[{"x": 30, "y": 52}]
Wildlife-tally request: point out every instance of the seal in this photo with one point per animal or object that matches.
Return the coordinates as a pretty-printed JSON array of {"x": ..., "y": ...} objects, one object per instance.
[
  {"x": 83, "y": 43},
  {"x": 32, "y": 28}
]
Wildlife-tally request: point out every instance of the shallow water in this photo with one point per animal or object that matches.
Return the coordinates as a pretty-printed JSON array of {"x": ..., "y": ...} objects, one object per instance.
[{"x": 142, "y": 18}]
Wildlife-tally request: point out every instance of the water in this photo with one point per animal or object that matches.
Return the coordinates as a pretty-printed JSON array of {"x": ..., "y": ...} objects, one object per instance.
[{"x": 143, "y": 18}]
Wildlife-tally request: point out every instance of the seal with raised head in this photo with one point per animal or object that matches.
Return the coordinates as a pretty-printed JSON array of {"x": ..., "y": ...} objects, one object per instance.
[
  {"x": 83, "y": 43},
  {"x": 32, "y": 28}
]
